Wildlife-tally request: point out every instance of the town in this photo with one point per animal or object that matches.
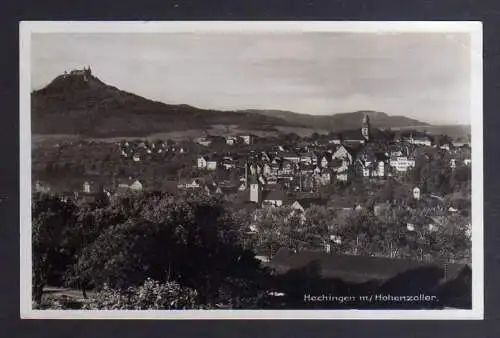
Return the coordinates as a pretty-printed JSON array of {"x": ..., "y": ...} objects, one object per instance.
[{"x": 387, "y": 168}]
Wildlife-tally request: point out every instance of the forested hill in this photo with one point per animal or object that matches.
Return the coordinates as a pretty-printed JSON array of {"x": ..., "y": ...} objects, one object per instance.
[
  {"x": 75, "y": 104},
  {"x": 341, "y": 121}
]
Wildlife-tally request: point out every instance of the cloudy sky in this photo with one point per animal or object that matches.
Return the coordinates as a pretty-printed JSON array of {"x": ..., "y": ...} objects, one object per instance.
[{"x": 419, "y": 75}]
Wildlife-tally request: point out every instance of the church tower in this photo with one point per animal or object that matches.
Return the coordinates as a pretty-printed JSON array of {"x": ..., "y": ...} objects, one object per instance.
[
  {"x": 255, "y": 188},
  {"x": 365, "y": 128}
]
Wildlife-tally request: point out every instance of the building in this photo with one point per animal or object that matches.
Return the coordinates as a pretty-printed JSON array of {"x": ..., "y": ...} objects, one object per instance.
[
  {"x": 302, "y": 204},
  {"x": 255, "y": 187},
  {"x": 416, "y": 193},
  {"x": 86, "y": 187},
  {"x": 85, "y": 73},
  {"x": 365, "y": 128},
  {"x": 128, "y": 186},
  {"x": 402, "y": 163},
  {"x": 247, "y": 139},
  {"x": 202, "y": 162},
  {"x": 231, "y": 140},
  {"x": 212, "y": 162},
  {"x": 421, "y": 140},
  {"x": 204, "y": 141}
]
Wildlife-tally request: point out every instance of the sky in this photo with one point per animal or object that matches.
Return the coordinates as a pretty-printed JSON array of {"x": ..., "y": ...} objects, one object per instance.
[{"x": 419, "y": 75}]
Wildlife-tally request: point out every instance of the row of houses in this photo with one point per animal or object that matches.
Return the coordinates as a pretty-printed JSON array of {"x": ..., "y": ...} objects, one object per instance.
[
  {"x": 141, "y": 150},
  {"x": 91, "y": 190},
  {"x": 229, "y": 140}
]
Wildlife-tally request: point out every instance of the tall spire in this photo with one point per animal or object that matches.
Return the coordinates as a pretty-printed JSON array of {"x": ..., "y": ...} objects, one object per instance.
[
  {"x": 365, "y": 127},
  {"x": 366, "y": 120}
]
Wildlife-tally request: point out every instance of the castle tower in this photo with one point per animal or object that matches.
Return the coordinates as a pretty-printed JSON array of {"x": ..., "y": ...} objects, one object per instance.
[
  {"x": 86, "y": 73},
  {"x": 365, "y": 127}
]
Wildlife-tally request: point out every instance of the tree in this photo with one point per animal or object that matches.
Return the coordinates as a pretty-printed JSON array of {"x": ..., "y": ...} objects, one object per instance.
[
  {"x": 51, "y": 216},
  {"x": 279, "y": 227},
  {"x": 191, "y": 240}
]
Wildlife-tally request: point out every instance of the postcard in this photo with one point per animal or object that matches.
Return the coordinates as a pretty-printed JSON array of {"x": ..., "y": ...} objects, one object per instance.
[{"x": 251, "y": 170}]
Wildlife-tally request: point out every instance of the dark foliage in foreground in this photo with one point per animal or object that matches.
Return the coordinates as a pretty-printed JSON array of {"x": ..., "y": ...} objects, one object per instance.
[{"x": 190, "y": 241}]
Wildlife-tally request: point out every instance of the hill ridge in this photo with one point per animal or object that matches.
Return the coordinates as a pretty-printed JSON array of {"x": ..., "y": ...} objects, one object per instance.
[{"x": 80, "y": 103}]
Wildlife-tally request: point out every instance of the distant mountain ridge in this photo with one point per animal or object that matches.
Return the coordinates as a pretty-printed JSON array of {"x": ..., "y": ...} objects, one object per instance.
[
  {"x": 341, "y": 121},
  {"x": 79, "y": 103}
]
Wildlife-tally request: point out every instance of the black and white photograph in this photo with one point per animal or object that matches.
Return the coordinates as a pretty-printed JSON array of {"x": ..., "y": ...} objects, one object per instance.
[{"x": 251, "y": 170}]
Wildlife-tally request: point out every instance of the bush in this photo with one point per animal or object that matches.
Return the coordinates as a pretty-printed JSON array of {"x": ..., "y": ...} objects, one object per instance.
[{"x": 150, "y": 296}]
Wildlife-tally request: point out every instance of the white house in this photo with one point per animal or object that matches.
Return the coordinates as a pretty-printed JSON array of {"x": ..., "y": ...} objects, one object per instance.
[
  {"x": 135, "y": 186},
  {"x": 86, "y": 187},
  {"x": 231, "y": 140},
  {"x": 342, "y": 176},
  {"x": 416, "y": 193},
  {"x": 212, "y": 163},
  {"x": 453, "y": 163},
  {"x": 380, "y": 170},
  {"x": 402, "y": 163},
  {"x": 202, "y": 162},
  {"x": 445, "y": 147},
  {"x": 423, "y": 141}
]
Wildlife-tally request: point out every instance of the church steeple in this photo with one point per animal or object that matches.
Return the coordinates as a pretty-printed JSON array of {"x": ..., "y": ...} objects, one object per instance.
[{"x": 365, "y": 127}]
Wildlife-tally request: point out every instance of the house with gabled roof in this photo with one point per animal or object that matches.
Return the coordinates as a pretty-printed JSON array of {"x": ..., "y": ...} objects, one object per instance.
[
  {"x": 247, "y": 139},
  {"x": 129, "y": 185},
  {"x": 324, "y": 159},
  {"x": 301, "y": 204},
  {"x": 344, "y": 154}
]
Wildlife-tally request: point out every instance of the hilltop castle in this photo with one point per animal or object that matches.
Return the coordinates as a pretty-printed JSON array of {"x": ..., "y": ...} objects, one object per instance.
[{"x": 86, "y": 73}]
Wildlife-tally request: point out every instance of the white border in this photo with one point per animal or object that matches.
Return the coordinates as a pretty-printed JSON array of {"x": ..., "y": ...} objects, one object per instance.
[{"x": 26, "y": 28}]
